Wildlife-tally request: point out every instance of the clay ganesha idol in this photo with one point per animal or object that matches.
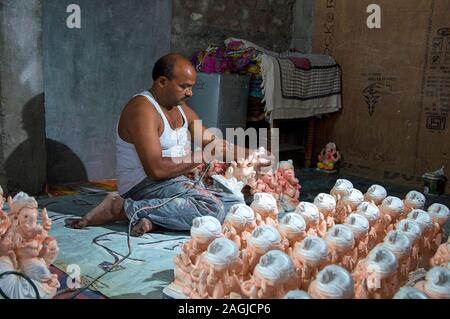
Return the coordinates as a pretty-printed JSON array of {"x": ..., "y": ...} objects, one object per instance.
[
  {"x": 25, "y": 247},
  {"x": 273, "y": 277},
  {"x": 332, "y": 282},
  {"x": 375, "y": 194},
  {"x": 340, "y": 188}
]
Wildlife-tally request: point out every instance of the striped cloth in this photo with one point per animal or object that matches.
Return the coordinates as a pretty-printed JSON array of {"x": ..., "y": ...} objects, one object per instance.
[
  {"x": 317, "y": 82},
  {"x": 291, "y": 92}
]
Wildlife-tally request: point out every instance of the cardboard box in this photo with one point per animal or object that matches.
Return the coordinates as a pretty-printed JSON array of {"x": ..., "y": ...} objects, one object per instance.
[{"x": 394, "y": 125}]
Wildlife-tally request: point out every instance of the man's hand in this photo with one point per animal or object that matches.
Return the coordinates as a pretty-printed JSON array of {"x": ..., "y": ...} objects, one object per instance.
[
  {"x": 262, "y": 159},
  {"x": 216, "y": 149}
]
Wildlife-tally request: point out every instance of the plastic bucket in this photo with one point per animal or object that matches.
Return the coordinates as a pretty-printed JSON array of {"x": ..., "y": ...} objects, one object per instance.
[{"x": 433, "y": 184}]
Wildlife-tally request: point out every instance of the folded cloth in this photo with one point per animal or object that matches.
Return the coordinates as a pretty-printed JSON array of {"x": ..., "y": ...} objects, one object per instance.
[
  {"x": 296, "y": 85},
  {"x": 290, "y": 92},
  {"x": 300, "y": 63}
]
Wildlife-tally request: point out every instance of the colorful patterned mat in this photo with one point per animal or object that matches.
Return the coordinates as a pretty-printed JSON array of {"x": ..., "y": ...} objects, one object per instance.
[{"x": 92, "y": 187}]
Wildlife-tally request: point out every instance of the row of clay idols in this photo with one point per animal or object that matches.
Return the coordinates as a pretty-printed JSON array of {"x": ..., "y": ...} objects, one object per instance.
[
  {"x": 382, "y": 212},
  {"x": 242, "y": 220},
  {"x": 26, "y": 247},
  {"x": 418, "y": 235},
  {"x": 334, "y": 282},
  {"x": 389, "y": 262},
  {"x": 340, "y": 246},
  {"x": 222, "y": 271},
  {"x": 391, "y": 208}
]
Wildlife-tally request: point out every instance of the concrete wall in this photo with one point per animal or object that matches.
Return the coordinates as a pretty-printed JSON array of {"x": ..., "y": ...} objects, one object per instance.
[
  {"x": 302, "y": 25},
  {"x": 91, "y": 72},
  {"x": 22, "y": 129},
  {"x": 198, "y": 23}
]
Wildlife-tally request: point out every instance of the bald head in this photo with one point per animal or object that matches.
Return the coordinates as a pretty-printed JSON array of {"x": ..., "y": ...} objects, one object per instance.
[{"x": 166, "y": 64}]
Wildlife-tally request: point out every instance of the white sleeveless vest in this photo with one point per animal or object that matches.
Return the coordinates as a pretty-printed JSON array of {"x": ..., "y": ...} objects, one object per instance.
[{"x": 174, "y": 143}]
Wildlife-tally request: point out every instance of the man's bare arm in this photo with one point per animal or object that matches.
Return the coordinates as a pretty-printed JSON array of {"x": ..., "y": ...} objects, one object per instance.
[
  {"x": 142, "y": 124},
  {"x": 232, "y": 152}
]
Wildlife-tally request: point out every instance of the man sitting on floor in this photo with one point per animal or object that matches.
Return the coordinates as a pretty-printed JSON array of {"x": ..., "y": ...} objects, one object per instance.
[{"x": 153, "y": 154}]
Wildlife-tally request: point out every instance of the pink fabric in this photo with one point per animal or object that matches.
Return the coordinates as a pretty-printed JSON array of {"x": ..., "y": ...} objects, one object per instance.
[{"x": 301, "y": 63}]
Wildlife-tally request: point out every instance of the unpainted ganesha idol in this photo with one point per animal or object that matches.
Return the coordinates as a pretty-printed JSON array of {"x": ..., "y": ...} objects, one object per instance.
[
  {"x": 292, "y": 228},
  {"x": 36, "y": 266},
  {"x": 341, "y": 245},
  {"x": 375, "y": 194},
  {"x": 377, "y": 277},
  {"x": 263, "y": 239},
  {"x": 262, "y": 156},
  {"x": 27, "y": 248},
  {"x": 242, "y": 169},
  {"x": 266, "y": 209},
  {"x": 381, "y": 272},
  {"x": 327, "y": 207},
  {"x": 239, "y": 224},
  {"x": 311, "y": 215},
  {"x": 427, "y": 229},
  {"x": 290, "y": 185},
  {"x": 310, "y": 256},
  {"x": 400, "y": 245},
  {"x": 215, "y": 276},
  {"x": 340, "y": 188},
  {"x": 332, "y": 282},
  {"x": 412, "y": 230},
  {"x": 273, "y": 277},
  {"x": 360, "y": 228},
  {"x": 373, "y": 215},
  {"x": 436, "y": 284},
  {"x": 203, "y": 231},
  {"x": 423, "y": 218},
  {"x": 370, "y": 211},
  {"x": 325, "y": 203},
  {"x": 442, "y": 255},
  {"x": 284, "y": 165},
  {"x": 414, "y": 200},
  {"x": 348, "y": 204},
  {"x": 392, "y": 210},
  {"x": 439, "y": 214},
  {"x": 267, "y": 183}
]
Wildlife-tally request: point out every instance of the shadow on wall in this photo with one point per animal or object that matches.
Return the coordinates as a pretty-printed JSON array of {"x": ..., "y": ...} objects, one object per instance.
[
  {"x": 63, "y": 165},
  {"x": 26, "y": 169}
]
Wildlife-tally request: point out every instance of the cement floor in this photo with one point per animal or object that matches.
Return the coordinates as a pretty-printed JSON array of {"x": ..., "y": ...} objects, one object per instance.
[{"x": 312, "y": 181}]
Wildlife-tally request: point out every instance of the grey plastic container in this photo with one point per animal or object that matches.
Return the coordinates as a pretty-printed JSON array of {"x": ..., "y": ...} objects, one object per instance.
[{"x": 220, "y": 100}]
